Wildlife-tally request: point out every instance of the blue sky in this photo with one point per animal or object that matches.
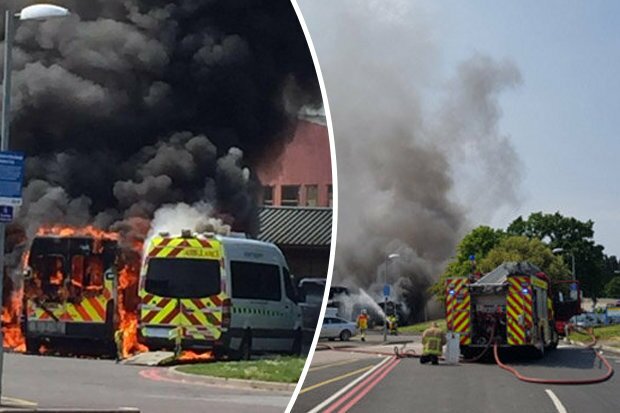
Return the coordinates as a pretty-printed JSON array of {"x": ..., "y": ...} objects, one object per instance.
[{"x": 564, "y": 120}]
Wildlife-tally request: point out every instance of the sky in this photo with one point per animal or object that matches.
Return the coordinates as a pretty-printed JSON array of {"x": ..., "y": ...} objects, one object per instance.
[{"x": 563, "y": 117}]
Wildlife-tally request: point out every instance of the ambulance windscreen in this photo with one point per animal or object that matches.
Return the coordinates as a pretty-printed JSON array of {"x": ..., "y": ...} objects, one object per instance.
[{"x": 183, "y": 277}]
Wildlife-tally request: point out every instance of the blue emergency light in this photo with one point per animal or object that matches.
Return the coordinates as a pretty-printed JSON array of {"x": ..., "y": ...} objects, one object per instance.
[
  {"x": 525, "y": 291},
  {"x": 451, "y": 292}
]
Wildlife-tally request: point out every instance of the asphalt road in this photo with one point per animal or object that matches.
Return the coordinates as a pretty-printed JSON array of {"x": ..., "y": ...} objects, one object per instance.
[
  {"x": 88, "y": 383},
  {"x": 406, "y": 385}
]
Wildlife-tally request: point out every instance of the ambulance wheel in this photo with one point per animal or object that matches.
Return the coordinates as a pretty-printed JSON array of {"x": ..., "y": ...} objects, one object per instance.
[
  {"x": 345, "y": 335},
  {"x": 245, "y": 349},
  {"x": 32, "y": 345},
  {"x": 297, "y": 343}
]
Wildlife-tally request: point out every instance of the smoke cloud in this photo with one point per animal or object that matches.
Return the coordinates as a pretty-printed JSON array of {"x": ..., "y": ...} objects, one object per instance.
[
  {"x": 129, "y": 105},
  {"x": 414, "y": 148}
]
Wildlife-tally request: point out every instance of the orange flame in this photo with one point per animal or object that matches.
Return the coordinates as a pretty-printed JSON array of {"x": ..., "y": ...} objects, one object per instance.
[
  {"x": 68, "y": 231},
  {"x": 128, "y": 282},
  {"x": 188, "y": 355},
  {"x": 13, "y": 337}
]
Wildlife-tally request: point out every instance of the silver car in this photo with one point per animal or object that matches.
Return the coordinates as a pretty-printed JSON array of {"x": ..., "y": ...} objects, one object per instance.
[{"x": 336, "y": 327}]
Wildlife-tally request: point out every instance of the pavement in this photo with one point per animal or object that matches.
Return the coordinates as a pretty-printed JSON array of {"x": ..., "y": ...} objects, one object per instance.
[
  {"x": 349, "y": 377},
  {"x": 61, "y": 382}
]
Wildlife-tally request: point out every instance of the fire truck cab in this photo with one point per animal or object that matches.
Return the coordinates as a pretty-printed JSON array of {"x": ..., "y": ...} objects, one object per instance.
[
  {"x": 566, "y": 303},
  {"x": 510, "y": 305},
  {"x": 69, "y": 290}
]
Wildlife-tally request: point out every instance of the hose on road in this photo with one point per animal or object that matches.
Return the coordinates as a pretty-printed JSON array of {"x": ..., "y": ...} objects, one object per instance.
[
  {"x": 352, "y": 350},
  {"x": 599, "y": 355},
  {"x": 402, "y": 353},
  {"x": 410, "y": 353}
]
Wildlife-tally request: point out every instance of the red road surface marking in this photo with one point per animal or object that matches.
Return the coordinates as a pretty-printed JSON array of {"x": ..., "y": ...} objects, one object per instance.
[
  {"x": 378, "y": 375},
  {"x": 367, "y": 389}
]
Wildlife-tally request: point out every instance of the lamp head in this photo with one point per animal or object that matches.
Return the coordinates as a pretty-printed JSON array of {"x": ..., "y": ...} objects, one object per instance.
[{"x": 43, "y": 12}]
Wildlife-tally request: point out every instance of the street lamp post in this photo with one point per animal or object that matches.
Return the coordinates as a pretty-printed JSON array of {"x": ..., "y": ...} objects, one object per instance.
[
  {"x": 35, "y": 12},
  {"x": 572, "y": 256},
  {"x": 385, "y": 297}
]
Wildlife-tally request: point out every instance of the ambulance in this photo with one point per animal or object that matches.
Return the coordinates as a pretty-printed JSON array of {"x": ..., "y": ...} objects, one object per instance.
[
  {"x": 70, "y": 291},
  {"x": 228, "y": 294}
]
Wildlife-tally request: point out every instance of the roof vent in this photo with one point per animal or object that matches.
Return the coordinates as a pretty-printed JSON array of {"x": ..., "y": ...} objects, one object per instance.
[{"x": 186, "y": 233}]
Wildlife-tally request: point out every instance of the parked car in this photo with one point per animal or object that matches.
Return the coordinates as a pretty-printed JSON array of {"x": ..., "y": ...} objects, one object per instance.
[
  {"x": 336, "y": 327},
  {"x": 588, "y": 320}
]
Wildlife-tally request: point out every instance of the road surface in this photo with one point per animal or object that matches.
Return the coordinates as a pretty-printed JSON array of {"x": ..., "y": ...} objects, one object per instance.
[
  {"x": 88, "y": 383},
  {"x": 341, "y": 380}
]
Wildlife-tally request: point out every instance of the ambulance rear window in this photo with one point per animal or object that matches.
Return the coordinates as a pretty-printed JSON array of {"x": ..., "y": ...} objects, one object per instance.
[{"x": 183, "y": 277}]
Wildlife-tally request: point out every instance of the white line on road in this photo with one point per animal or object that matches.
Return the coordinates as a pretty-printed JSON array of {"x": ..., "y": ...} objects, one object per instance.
[
  {"x": 556, "y": 402},
  {"x": 348, "y": 386}
]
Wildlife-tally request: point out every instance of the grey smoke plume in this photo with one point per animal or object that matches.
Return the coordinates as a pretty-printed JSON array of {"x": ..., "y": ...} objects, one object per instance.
[
  {"x": 413, "y": 149},
  {"x": 128, "y": 105}
]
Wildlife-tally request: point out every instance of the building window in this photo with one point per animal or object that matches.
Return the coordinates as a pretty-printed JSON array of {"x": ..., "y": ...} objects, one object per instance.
[
  {"x": 290, "y": 195},
  {"x": 312, "y": 195},
  {"x": 330, "y": 196},
  {"x": 268, "y": 195}
]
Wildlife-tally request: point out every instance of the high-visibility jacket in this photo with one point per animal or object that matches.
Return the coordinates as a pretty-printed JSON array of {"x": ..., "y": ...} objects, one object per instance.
[
  {"x": 362, "y": 321},
  {"x": 433, "y": 339}
]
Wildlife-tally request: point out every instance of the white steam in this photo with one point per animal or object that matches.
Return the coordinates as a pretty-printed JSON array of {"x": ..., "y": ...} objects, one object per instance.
[{"x": 197, "y": 218}]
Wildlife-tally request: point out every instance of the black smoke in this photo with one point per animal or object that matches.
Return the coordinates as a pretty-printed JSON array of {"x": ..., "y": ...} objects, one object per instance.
[
  {"x": 420, "y": 152},
  {"x": 127, "y": 105}
]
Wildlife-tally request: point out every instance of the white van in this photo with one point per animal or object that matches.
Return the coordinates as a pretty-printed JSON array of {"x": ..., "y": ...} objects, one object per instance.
[{"x": 229, "y": 294}]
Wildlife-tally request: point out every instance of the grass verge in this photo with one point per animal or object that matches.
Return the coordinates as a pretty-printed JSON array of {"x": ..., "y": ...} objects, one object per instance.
[
  {"x": 420, "y": 327},
  {"x": 609, "y": 334},
  {"x": 278, "y": 369}
]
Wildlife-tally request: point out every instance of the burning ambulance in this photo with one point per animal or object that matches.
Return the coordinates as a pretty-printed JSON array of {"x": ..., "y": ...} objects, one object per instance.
[
  {"x": 229, "y": 295},
  {"x": 70, "y": 289}
]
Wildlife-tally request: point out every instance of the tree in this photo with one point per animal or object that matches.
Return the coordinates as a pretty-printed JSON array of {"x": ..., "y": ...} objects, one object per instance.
[
  {"x": 574, "y": 237},
  {"x": 476, "y": 244},
  {"x": 521, "y": 248},
  {"x": 612, "y": 289}
]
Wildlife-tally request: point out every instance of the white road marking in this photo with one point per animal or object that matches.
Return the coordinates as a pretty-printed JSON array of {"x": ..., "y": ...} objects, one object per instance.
[
  {"x": 556, "y": 402},
  {"x": 348, "y": 386}
]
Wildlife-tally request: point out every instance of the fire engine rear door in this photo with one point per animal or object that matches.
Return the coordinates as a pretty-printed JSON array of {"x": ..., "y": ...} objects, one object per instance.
[
  {"x": 519, "y": 309},
  {"x": 458, "y": 308}
]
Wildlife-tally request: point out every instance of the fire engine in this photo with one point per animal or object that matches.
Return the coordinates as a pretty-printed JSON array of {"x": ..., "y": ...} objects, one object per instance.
[
  {"x": 70, "y": 290},
  {"x": 511, "y": 306}
]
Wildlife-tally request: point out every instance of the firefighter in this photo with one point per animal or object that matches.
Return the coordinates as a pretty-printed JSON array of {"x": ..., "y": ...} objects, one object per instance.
[
  {"x": 433, "y": 340},
  {"x": 393, "y": 324},
  {"x": 362, "y": 323}
]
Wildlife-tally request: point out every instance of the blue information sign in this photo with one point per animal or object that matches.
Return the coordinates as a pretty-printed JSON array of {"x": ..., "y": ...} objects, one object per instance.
[
  {"x": 11, "y": 177},
  {"x": 386, "y": 290},
  {"x": 6, "y": 214}
]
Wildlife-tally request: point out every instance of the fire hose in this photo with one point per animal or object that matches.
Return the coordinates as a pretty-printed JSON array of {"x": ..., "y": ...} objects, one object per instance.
[
  {"x": 599, "y": 355},
  {"x": 486, "y": 348},
  {"x": 402, "y": 353},
  {"x": 410, "y": 353}
]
